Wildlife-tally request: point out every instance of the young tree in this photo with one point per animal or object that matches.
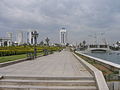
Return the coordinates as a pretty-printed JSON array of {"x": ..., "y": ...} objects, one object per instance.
[
  {"x": 117, "y": 43},
  {"x": 41, "y": 43}
]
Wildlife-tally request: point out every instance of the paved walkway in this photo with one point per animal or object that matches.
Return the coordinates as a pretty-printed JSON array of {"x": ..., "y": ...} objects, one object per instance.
[{"x": 57, "y": 64}]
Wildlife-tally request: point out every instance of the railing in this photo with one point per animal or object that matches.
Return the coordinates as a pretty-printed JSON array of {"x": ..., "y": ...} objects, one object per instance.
[
  {"x": 100, "y": 81},
  {"x": 110, "y": 65}
]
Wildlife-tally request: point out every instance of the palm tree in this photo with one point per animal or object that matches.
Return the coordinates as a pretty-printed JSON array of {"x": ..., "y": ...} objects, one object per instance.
[
  {"x": 47, "y": 41},
  {"x": 84, "y": 42}
]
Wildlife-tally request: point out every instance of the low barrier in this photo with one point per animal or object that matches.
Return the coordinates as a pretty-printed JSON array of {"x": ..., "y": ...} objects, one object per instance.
[
  {"x": 100, "y": 81},
  {"x": 12, "y": 62},
  {"x": 107, "y": 64}
]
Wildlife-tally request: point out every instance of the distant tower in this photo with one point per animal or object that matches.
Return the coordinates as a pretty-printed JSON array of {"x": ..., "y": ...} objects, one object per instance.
[
  {"x": 9, "y": 37},
  {"x": 20, "y": 38},
  {"x": 63, "y": 36}
]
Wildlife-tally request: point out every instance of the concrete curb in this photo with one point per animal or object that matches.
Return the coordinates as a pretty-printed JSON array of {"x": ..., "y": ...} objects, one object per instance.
[{"x": 100, "y": 81}]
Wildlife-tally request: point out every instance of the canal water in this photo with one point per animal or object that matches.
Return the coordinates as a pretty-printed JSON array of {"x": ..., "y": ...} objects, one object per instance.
[{"x": 112, "y": 56}]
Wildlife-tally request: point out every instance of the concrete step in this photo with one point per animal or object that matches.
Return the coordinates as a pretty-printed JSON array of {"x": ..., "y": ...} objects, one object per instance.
[
  {"x": 47, "y": 78},
  {"x": 27, "y": 87},
  {"x": 48, "y": 82}
]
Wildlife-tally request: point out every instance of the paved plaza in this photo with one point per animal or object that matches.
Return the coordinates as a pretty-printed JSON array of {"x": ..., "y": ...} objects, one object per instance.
[{"x": 58, "y": 64}]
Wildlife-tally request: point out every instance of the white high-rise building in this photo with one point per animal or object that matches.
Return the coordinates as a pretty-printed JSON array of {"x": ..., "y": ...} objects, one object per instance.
[
  {"x": 30, "y": 38},
  {"x": 20, "y": 38},
  {"x": 63, "y": 36},
  {"x": 9, "y": 35}
]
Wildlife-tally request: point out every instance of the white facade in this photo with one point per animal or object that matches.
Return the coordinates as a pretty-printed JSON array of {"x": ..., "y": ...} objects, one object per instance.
[
  {"x": 1, "y": 42},
  {"x": 30, "y": 38},
  {"x": 20, "y": 38},
  {"x": 5, "y": 42},
  {"x": 63, "y": 36},
  {"x": 9, "y": 36}
]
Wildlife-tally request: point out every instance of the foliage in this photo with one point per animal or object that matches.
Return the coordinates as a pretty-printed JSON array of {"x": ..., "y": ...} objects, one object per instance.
[{"x": 17, "y": 50}]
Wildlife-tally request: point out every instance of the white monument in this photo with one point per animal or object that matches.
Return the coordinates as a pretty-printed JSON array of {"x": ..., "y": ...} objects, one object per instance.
[{"x": 63, "y": 36}]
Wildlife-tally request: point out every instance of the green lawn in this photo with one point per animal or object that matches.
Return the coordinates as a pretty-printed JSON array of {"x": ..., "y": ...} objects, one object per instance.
[
  {"x": 15, "y": 57},
  {"x": 12, "y": 58}
]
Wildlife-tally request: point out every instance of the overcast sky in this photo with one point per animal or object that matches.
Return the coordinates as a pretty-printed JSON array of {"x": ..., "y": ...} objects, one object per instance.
[{"x": 81, "y": 18}]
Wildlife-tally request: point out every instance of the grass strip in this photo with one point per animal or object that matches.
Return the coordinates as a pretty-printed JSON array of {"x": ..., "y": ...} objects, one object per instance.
[{"x": 12, "y": 58}]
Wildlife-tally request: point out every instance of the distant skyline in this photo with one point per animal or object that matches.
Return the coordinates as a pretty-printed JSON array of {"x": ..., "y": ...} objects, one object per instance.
[{"x": 81, "y": 18}]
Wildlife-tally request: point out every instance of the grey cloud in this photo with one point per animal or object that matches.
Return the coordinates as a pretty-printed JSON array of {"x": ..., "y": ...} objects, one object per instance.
[{"x": 78, "y": 16}]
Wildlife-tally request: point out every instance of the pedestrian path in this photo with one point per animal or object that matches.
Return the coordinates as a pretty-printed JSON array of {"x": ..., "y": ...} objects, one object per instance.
[
  {"x": 57, "y": 64},
  {"x": 58, "y": 71}
]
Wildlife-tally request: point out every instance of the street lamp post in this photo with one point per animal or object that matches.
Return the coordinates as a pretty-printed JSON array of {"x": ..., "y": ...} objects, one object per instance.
[{"x": 35, "y": 35}]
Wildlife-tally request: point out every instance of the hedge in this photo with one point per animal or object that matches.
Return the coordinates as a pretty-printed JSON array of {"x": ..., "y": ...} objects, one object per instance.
[{"x": 17, "y": 50}]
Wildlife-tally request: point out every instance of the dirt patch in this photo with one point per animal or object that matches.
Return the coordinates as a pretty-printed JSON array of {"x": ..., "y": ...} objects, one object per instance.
[{"x": 104, "y": 70}]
